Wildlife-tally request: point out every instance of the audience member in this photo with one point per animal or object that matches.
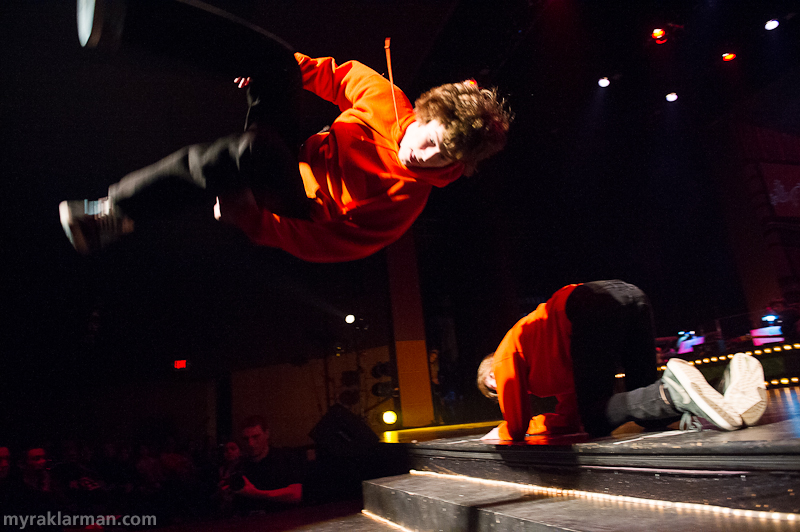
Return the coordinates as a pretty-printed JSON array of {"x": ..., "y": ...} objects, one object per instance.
[
  {"x": 37, "y": 495},
  {"x": 267, "y": 482}
]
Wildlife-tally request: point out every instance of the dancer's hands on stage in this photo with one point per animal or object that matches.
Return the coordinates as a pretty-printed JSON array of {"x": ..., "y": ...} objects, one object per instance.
[{"x": 493, "y": 434}]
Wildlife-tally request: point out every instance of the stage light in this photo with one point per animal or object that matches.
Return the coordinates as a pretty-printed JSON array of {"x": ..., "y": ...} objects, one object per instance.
[
  {"x": 603, "y": 82},
  {"x": 658, "y": 33},
  {"x": 671, "y": 97},
  {"x": 349, "y": 318},
  {"x": 390, "y": 417},
  {"x": 728, "y": 56},
  {"x": 770, "y": 318},
  {"x": 771, "y": 25}
]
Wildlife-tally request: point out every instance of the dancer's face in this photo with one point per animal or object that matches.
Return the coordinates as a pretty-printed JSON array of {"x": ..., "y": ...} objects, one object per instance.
[
  {"x": 490, "y": 381},
  {"x": 421, "y": 146}
]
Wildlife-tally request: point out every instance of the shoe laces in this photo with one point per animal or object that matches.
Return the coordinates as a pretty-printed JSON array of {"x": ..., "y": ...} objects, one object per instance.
[{"x": 690, "y": 422}]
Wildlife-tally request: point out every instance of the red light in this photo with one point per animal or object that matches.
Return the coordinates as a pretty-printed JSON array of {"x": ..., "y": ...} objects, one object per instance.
[
  {"x": 660, "y": 41},
  {"x": 728, "y": 57},
  {"x": 180, "y": 364},
  {"x": 658, "y": 33},
  {"x": 242, "y": 82}
]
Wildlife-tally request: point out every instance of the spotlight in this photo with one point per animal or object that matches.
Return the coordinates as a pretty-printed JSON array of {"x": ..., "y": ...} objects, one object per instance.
[
  {"x": 770, "y": 318},
  {"x": 771, "y": 25},
  {"x": 728, "y": 56},
  {"x": 390, "y": 417},
  {"x": 349, "y": 318},
  {"x": 671, "y": 97},
  {"x": 603, "y": 82},
  {"x": 660, "y": 35}
]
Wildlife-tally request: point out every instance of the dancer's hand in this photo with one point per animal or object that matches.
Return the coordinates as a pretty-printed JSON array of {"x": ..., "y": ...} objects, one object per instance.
[{"x": 493, "y": 434}]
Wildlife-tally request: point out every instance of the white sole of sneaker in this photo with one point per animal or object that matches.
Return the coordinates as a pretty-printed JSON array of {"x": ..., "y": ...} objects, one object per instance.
[
  {"x": 75, "y": 238},
  {"x": 704, "y": 395},
  {"x": 746, "y": 393},
  {"x": 63, "y": 214}
]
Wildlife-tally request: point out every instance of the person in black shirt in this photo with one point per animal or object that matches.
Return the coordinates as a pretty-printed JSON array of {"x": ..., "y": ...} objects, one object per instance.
[{"x": 268, "y": 481}]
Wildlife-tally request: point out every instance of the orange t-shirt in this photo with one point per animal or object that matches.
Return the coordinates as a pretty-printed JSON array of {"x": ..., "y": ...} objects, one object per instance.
[{"x": 534, "y": 358}]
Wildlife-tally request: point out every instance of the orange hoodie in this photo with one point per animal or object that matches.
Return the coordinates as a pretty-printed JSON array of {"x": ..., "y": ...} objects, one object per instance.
[
  {"x": 365, "y": 198},
  {"x": 534, "y": 358}
]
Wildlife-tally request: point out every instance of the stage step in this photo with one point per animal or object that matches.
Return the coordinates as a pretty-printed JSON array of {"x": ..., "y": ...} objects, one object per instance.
[
  {"x": 754, "y": 469},
  {"x": 352, "y": 523},
  {"x": 434, "y": 502}
]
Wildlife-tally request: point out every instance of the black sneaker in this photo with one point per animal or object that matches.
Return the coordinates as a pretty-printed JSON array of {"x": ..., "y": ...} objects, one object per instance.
[
  {"x": 691, "y": 394},
  {"x": 92, "y": 225}
]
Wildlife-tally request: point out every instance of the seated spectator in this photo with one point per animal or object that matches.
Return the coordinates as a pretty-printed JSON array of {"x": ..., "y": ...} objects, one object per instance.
[
  {"x": 5, "y": 463},
  {"x": 7, "y": 487},
  {"x": 267, "y": 482},
  {"x": 75, "y": 479},
  {"x": 230, "y": 468},
  {"x": 231, "y": 462},
  {"x": 37, "y": 494},
  {"x": 151, "y": 475}
]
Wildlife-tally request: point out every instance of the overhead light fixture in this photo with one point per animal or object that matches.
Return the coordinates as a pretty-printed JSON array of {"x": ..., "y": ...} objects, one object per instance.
[
  {"x": 771, "y": 25},
  {"x": 659, "y": 35},
  {"x": 671, "y": 97},
  {"x": 603, "y": 82}
]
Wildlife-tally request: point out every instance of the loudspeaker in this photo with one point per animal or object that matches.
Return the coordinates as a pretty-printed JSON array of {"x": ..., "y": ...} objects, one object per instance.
[{"x": 343, "y": 434}]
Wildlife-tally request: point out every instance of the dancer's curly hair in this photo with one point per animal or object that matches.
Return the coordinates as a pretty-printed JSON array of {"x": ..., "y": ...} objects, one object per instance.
[
  {"x": 476, "y": 120},
  {"x": 484, "y": 369}
]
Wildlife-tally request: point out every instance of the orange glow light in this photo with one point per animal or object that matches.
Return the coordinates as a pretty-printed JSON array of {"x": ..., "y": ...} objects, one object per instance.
[
  {"x": 728, "y": 56},
  {"x": 658, "y": 33}
]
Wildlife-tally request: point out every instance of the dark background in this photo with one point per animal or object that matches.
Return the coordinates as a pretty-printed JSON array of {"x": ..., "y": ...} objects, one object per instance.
[{"x": 595, "y": 183}]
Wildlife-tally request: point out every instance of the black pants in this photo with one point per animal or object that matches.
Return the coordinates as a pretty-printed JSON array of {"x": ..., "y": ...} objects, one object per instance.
[
  {"x": 612, "y": 331},
  {"x": 263, "y": 157}
]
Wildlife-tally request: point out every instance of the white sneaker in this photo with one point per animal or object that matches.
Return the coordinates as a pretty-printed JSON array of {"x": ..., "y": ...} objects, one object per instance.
[
  {"x": 744, "y": 388},
  {"x": 92, "y": 225},
  {"x": 691, "y": 394}
]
